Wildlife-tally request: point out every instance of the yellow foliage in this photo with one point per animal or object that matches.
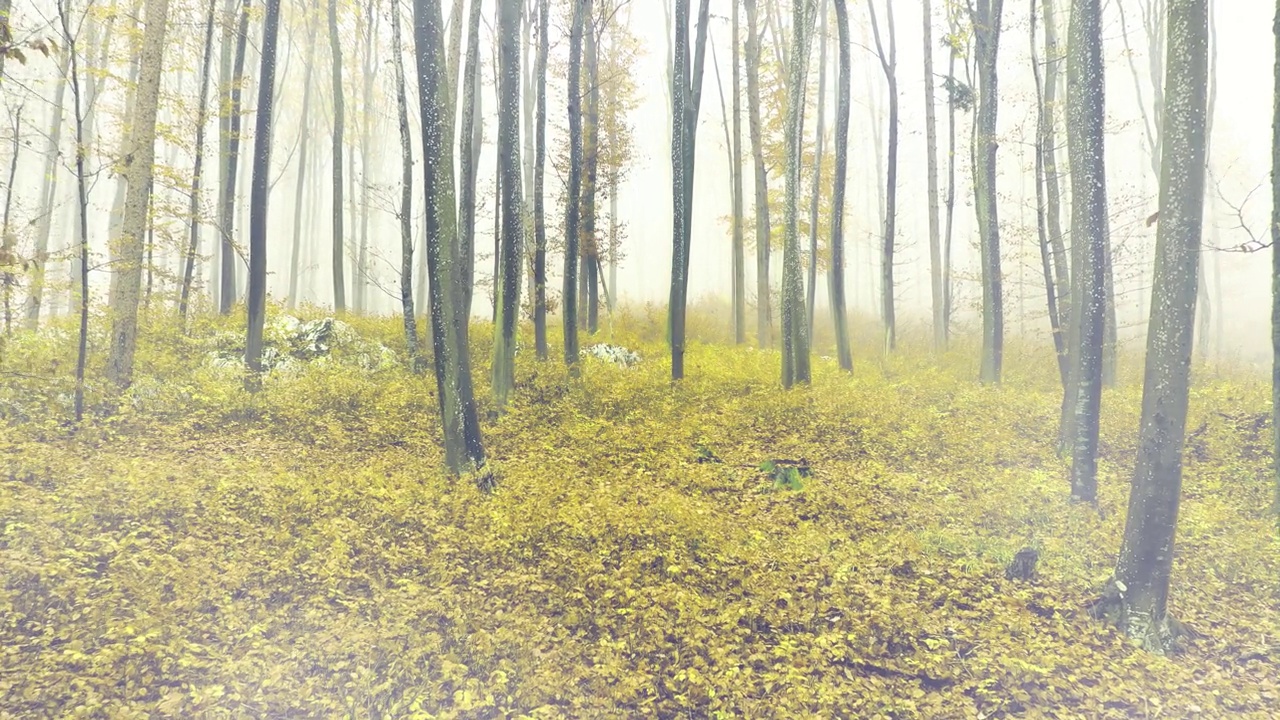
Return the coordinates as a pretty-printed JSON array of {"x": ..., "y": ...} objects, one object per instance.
[{"x": 206, "y": 552}]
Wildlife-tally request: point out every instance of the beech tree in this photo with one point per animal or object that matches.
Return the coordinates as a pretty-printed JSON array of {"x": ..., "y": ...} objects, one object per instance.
[
  {"x": 815, "y": 194},
  {"x": 795, "y": 335},
  {"x": 1141, "y": 584},
  {"x": 1275, "y": 265},
  {"x": 257, "y": 295},
  {"x": 836, "y": 281},
  {"x": 686, "y": 98},
  {"x": 126, "y": 281},
  {"x": 464, "y": 449},
  {"x": 197, "y": 168},
  {"x": 986, "y": 24},
  {"x": 1044, "y": 151},
  {"x": 405, "y": 215},
  {"x": 539, "y": 179},
  {"x": 338, "y": 257},
  {"x": 303, "y": 154},
  {"x": 889, "y": 64},
  {"x": 931, "y": 180},
  {"x": 1086, "y": 99},
  {"x": 508, "y": 288},
  {"x": 764, "y": 321},
  {"x": 573, "y": 208}
]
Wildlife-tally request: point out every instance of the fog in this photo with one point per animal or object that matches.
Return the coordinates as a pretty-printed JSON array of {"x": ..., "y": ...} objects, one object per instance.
[{"x": 1239, "y": 282}]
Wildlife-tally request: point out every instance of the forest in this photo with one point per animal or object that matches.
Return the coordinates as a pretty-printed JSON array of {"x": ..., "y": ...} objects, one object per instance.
[{"x": 408, "y": 358}]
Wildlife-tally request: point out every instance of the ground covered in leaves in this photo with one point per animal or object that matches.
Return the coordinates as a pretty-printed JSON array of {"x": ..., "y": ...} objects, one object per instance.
[{"x": 717, "y": 548}]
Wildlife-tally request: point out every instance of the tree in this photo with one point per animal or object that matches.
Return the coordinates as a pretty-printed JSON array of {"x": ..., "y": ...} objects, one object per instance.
[
  {"x": 815, "y": 195},
  {"x": 686, "y": 98},
  {"x": 367, "y": 120},
  {"x": 82, "y": 204},
  {"x": 335, "y": 51},
  {"x": 889, "y": 64},
  {"x": 464, "y": 449},
  {"x": 573, "y": 208},
  {"x": 1048, "y": 139},
  {"x": 589, "y": 251},
  {"x": 469, "y": 153},
  {"x": 1142, "y": 577},
  {"x": 508, "y": 288},
  {"x": 739, "y": 251},
  {"x": 127, "y": 279},
  {"x": 257, "y": 295},
  {"x": 764, "y": 321},
  {"x": 931, "y": 172},
  {"x": 539, "y": 179},
  {"x": 836, "y": 281},
  {"x": 49, "y": 195},
  {"x": 197, "y": 169},
  {"x": 1085, "y": 115},
  {"x": 986, "y": 24},
  {"x": 1044, "y": 152},
  {"x": 1275, "y": 266},
  {"x": 795, "y": 340},
  {"x": 303, "y": 148},
  {"x": 230, "y": 152},
  {"x": 405, "y": 215}
]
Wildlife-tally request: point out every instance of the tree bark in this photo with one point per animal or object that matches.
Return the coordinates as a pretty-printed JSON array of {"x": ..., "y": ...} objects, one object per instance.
[
  {"x": 197, "y": 170},
  {"x": 764, "y": 320},
  {"x": 573, "y": 208},
  {"x": 338, "y": 258},
  {"x": 1275, "y": 267},
  {"x": 795, "y": 341},
  {"x": 405, "y": 216},
  {"x": 508, "y": 289},
  {"x": 464, "y": 449},
  {"x": 257, "y": 294},
  {"x": 49, "y": 196},
  {"x": 1042, "y": 152},
  {"x": 739, "y": 250},
  {"x": 931, "y": 180},
  {"x": 836, "y": 280},
  {"x": 1086, "y": 113},
  {"x": 127, "y": 280},
  {"x": 591, "y": 168},
  {"x": 303, "y": 149},
  {"x": 366, "y": 161},
  {"x": 987, "y": 34},
  {"x": 230, "y": 155},
  {"x": 539, "y": 178},
  {"x": 469, "y": 153},
  {"x": 1146, "y": 555},
  {"x": 819, "y": 145},
  {"x": 889, "y": 64},
  {"x": 1052, "y": 176}
]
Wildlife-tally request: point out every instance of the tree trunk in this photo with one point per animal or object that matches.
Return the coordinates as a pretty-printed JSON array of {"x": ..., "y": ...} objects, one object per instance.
[
  {"x": 405, "y": 216},
  {"x": 82, "y": 197},
  {"x": 1275, "y": 267},
  {"x": 303, "y": 147},
  {"x": 949, "y": 201},
  {"x": 1085, "y": 116},
  {"x": 127, "y": 280},
  {"x": 836, "y": 278},
  {"x": 931, "y": 170},
  {"x": 795, "y": 345},
  {"x": 889, "y": 63},
  {"x": 197, "y": 170},
  {"x": 257, "y": 291},
  {"x": 1146, "y": 554},
  {"x": 338, "y": 259},
  {"x": 569, "y": 294},
  {"x": 49, "y": 196},
  {"x": 764, "y": 321},
  {"x": 7, "y": 258},
  {"x": 508, "y": 288},
  {"x": 230, "y": 152},
  {"x": 739, "y": 250},
  {"x": 464, "y": 450},
  {"x": 469, "y": 153},
  {"x": 987, "y": 35},
  {"x": 816, "y": 190},
  {"x": 539, "y": 178},
  {"x": 1042, "y": 150},
  {"x": 590, "y": 171},
  {"x": 366, "y": 161},
  {"x": 1052, "y": 177}
]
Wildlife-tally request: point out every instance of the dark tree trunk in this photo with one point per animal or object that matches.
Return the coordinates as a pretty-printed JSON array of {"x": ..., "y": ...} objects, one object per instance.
[
  {"x": 539, "y": 175},
  {"x": 257, "y": 295},
  {"x": 987, "y": 19},
  {"x": 889, "y": 63},
  {"x": 339, "y": 255},
  {"x": 836, "y": 281},
  {"x": 573, "y": 208},
  {"x": 508, "y": 283},
  {"x": 197, "y": 170},
  {"x": 405, "y": 216},
  {"x": 764, "y": 321},
  {"x": 469, "y": 153},
  {"x": 230, "y": 160},
  {"x": 295, "y": 260}
]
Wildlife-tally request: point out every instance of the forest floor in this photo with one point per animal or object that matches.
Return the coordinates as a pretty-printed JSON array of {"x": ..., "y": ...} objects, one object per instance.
[{"x": 206, "y": 552}]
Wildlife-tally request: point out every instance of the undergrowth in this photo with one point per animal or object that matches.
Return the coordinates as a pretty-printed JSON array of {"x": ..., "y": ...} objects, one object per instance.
[{"x": 195, "y": 550}]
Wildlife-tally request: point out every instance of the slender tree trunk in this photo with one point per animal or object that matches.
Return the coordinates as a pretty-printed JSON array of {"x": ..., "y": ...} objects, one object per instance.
[
  {"x": 1052, "y": 176},
  {"x": 1042, "y": 225},
  {"x": 836, "y": 279},
  {"x": 230, "y": 159},
  {"x": 257, "y": 291},
  {"x": 931, "y": 170},
  {"x": 569, "y": 296},
  {"x": 464, "y": 449},
  {"x": 686, "y": 100},
  {"x": 795, "y": 346},
  {"x": 764, "y": 321},
  {"x": 815, "y": 193},
  {"x": 469, "y": 153},
  {"x": 987, "y": 34},
  {"x": 405, "y": 216},
  {"x": 82, "y": 197},
  {"x": 950, "y": 202},
  {"x": 1275, "y": 267},
  {"x": 127, "y": 281},
  {"x": 1085, "y": 117},
  {"x": 7, "y": 258},
  {"x": 508, "y": 288},
  {"x": 366, "y": 160},
  {"x": 889, "y": 63},
  {"x": 197, "y": 170},
  {"x": 1146, "y": 555},
  {"x": 590, "y": 172},
  {"x": 338, "y": 259},
  {"x": 49, "y": 196},
  {"x": 116, "y": 216},
  {"x": 303, "y": 150},
  {"x": 539, "y": 178},
  {"x": 739, "y": 249}
]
